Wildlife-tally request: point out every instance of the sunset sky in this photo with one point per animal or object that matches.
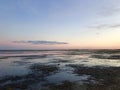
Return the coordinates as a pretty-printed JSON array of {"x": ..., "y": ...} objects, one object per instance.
[{"x": 59, "y": 24}]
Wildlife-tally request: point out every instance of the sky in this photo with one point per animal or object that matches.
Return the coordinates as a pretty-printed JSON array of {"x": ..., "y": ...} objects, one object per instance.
[{"x": 59, "y": 24}]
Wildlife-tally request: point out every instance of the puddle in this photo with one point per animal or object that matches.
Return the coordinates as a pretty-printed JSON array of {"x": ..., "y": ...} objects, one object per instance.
[
  {"x": 37, "y": 69},
  {"x": 66, "y": 76}
]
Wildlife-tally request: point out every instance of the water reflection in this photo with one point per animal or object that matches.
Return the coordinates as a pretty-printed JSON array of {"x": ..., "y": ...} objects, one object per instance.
[{"x": 15, "y": 65}]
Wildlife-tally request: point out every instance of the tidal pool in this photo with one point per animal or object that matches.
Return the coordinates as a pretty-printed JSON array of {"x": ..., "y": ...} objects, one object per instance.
[{"x": 60, "y": 70}]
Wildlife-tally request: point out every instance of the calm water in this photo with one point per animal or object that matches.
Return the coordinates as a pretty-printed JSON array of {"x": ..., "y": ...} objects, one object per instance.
[{"x": 17, "y": 63}]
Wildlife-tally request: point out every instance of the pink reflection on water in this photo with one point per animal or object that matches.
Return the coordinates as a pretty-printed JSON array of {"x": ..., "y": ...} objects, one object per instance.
[{"x": 25, "y": 53}]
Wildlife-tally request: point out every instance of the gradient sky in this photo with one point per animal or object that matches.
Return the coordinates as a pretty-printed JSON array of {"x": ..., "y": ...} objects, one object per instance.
[{"x": 59, "y": 24}]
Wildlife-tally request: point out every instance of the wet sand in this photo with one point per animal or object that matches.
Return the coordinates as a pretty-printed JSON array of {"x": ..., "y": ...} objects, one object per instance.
[{"x": 60, "y": 70}]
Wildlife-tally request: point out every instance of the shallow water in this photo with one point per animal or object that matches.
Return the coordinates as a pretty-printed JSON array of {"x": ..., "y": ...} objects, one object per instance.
[{"x": 17, "y": 63}]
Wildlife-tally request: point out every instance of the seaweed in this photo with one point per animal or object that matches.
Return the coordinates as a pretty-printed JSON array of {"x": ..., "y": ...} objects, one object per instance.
[
  {"x": 108, "y": 77},
  {"x": 38, "y": 73}
]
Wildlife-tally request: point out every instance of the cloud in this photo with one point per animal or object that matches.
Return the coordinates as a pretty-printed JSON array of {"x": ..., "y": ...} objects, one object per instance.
[
  {"x": 105, "y": 26},
  {"x": 109, "y": 8},
  {"x": 41, "y": 42},
  {"x": 109, "y": 11}
]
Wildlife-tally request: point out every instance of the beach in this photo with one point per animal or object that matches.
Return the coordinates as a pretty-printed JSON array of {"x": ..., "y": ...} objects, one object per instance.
[{"x": 60, "y": 70}]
